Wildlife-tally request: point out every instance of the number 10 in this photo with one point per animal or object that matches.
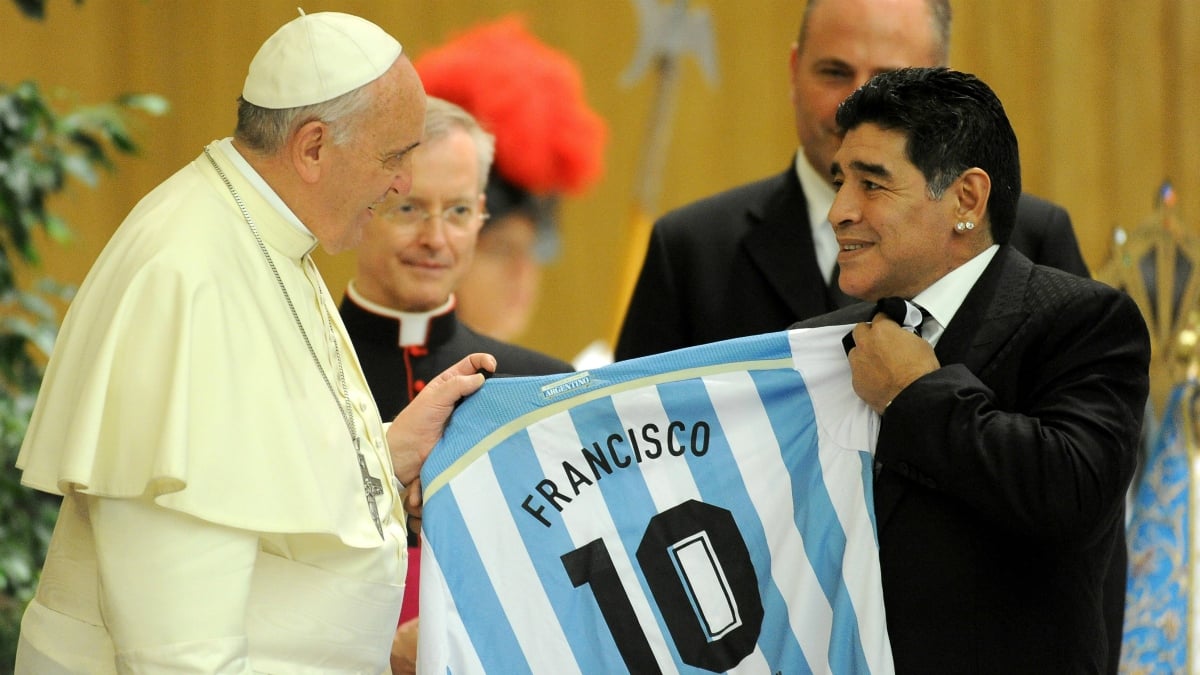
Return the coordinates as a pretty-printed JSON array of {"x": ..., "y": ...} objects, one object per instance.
[{"x": 698, "y": 567}]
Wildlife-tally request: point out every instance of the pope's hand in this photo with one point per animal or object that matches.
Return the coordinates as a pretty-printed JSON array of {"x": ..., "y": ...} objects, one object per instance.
[
  {"x": 404, "y": 648},
  {"x": 419, "y": 426}
]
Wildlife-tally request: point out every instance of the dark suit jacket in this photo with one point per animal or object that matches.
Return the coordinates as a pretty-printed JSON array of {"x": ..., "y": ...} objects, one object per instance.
[
  {"x": 1001, "y": 478},
  {"x": 742, "y": 262}
]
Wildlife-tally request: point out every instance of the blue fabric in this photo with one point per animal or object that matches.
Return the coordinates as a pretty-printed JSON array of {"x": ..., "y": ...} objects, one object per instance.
[
  {"x": 1161, "y": 592},
  {"x": 542, "y": 475}
]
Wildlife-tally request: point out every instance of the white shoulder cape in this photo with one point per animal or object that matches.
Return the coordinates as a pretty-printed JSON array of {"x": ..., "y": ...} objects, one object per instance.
[{"x": 180, "y": 374}]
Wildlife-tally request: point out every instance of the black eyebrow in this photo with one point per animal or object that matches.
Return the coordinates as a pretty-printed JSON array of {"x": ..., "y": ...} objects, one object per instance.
[
  {"x": 877, "y": 170},
  {"x": 837, "y": 62}
]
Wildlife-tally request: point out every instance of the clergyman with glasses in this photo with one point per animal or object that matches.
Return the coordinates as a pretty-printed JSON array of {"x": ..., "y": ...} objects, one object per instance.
[{"x": 400, "y": 308}]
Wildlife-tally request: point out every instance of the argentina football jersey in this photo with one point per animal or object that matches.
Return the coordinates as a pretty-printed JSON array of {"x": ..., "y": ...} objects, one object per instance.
[{"x": 703, "y": 510}]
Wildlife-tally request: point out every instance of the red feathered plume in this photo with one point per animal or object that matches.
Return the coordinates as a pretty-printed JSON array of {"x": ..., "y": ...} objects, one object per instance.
[{"x": 530, "y": 96}]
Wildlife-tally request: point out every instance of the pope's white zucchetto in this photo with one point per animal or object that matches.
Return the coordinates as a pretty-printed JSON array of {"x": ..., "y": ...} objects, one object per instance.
[{"x": 317, "y": 57}]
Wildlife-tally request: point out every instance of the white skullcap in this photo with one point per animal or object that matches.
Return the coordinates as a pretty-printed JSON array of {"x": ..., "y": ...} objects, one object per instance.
[{"x": 317, "y": 57}]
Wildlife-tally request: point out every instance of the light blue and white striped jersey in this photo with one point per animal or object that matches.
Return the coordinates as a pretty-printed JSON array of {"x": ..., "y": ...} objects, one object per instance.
[{"x": 703, "y": 510}]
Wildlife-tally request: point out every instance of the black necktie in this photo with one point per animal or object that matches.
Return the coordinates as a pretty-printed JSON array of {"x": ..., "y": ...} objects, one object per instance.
[{"x": 908, "y": 314}]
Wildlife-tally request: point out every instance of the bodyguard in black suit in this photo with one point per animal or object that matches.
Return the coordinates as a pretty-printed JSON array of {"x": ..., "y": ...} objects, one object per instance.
[
  {"x": 744, "y": 261},
  {"x": 1005, "y": 451}
]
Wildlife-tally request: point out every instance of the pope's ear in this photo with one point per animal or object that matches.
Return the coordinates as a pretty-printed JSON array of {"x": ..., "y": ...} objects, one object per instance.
[{"x": 308, "y": 149}]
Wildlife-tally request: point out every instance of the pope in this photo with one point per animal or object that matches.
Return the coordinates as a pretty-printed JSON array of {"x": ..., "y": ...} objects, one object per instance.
[{"x": 232, "y": 501}]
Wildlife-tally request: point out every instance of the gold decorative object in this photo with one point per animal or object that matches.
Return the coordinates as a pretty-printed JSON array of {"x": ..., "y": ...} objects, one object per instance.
[{"x": 1158, "y": 264}]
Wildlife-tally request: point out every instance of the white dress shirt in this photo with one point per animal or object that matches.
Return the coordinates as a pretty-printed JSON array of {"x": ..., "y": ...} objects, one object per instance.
[{"x": 943, "y": 298}]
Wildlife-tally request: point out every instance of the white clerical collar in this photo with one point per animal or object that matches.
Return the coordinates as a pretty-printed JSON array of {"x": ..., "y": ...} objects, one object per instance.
[
  {"x": 252, "y": 177},
  {"x": 943, "y": 298},
  {"x": 414, "y": 326},
  {"x": 818, "y": 193}
]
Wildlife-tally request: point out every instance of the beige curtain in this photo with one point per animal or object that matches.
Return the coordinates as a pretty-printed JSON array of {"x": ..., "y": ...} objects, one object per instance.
[{"x": 1102, "y": 94}]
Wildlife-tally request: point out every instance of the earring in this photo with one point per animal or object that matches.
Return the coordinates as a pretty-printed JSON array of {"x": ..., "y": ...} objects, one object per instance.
[{"x": 962, "y": 226}]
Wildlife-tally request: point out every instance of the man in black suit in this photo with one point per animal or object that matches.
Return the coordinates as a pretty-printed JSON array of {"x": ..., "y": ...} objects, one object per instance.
[
  {"x": 1005, "y": 446},
  {"x": 761, "y": 256}
]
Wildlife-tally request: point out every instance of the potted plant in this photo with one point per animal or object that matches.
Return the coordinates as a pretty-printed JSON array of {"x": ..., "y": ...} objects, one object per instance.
[{"x": 40, "y": 151}]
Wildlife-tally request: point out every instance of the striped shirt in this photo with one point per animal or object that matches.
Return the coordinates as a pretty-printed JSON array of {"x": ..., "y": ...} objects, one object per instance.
[{"x": 703, "y": 510}]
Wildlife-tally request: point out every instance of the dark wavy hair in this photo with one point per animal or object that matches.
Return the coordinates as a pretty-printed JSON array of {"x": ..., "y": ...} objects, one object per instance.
[{"x": 952, "y": 122}]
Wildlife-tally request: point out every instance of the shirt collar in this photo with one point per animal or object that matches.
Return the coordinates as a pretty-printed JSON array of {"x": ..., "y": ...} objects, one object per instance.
[
  {"x": 818, "y": 194},
  {"x": 254, "y": 179},
  {"x": 943, "y": 298},
  {"x": 414, "y": 326}
]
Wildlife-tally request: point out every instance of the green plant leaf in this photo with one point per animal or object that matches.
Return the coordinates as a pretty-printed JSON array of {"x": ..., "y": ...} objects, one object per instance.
[
  {"x": 84, "y": 167},
  {"x": 34, "y": 9},
  {"x": 40, "y": 150},
  {"x": 58, "y": 229},
  {"x": 151, "y": 104}
]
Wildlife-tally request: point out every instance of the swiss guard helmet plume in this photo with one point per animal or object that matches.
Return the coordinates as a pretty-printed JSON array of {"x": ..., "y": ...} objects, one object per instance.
[{"x": 530, "y": 96}]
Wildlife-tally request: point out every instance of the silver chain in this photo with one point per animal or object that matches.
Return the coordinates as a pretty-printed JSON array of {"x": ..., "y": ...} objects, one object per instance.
[{"x": 345, "y": 406}]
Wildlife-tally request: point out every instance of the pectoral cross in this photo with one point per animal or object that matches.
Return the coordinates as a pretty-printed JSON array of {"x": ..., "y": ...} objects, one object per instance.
[{"x": 372, "y": 487}]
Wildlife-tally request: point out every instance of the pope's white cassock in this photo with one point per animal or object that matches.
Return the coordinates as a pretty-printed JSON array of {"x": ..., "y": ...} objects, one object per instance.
[{"x": 181, "y": 376}]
